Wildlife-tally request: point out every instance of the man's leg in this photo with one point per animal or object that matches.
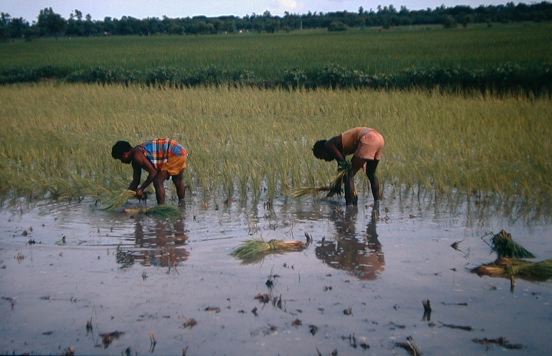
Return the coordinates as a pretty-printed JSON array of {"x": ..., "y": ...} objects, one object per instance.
[
  {"x": 159, "y": 185},
  {"x": 371, "y": 166},
  {"x": 350, "y": 192},
  {"x": 178, "y": 181}
]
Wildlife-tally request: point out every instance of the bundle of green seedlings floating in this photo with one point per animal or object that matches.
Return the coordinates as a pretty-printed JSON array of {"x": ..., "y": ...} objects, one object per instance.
[
  {"x": 256, "y": 249},
  {"x": 509, "y": 263},
  {"x": 160, "y": 211},
  {"x": 505, "y": 246},
  {"x": 512, "y": 267},
  {"x": 333, "y": 188}
]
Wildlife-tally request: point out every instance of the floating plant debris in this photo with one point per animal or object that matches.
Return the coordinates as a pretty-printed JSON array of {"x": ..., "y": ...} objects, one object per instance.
[
  {"x": 190, "y": 323},
  {"x": 498, "y": 341},
  {"x": 107, "y": 338},
  {"x": 459, "y": 327},
  {"x": 212, "y": 309},
  {"x": 262, "y": 297},
  {"x": 409, "y": 346}
]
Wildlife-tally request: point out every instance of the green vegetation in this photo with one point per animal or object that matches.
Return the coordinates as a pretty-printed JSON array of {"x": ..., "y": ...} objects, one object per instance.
[
  {"x": 115, "y": 200},
  {"x": 158, "y": 211},
  {"x": 516, "y": 268},
  {"x": 255, "y": 250},
  {"x": 248, "y": 142},
  {"x": 508, "y": 57},
  {"x": 49, "y": 23},
  {"x": 509, "y": 262},
  {"x": 505, "y": 246},
  {"x": 332, "y": 189}
]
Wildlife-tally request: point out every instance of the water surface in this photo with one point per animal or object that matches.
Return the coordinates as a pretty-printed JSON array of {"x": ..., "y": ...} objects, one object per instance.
[{"x": 70, "y": 273}]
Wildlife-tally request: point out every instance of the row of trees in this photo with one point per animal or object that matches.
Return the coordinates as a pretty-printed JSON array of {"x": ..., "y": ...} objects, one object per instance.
[{"x": 50, "y": 23}]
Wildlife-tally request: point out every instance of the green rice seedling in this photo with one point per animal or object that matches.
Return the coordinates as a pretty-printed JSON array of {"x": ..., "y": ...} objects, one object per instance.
[
  {"x": 333, "y": 188},
  {"x": 164, "y": 211},
  {"x": 513, "y": 267},
  {"x": 505, "y": 246},
  {"x": 537, "y": 271},
  {"x": 116, "y": 200},
  {"x": 255, "y": 250},
  {"x": 159, "y": 211},
  {"x": 56, "y": 138},
  {"x": 509, "y": 263}
]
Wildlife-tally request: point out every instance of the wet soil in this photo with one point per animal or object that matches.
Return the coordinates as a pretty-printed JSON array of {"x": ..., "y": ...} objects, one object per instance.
[{"x": 74, "y": 278}]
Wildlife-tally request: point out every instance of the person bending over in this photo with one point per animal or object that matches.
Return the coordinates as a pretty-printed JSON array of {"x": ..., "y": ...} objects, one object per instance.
[
  {"x": 366, "y": 146},
  {"x": 162, "y": 158}
]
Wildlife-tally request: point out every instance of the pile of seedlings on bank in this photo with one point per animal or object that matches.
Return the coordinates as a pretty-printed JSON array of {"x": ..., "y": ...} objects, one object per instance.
[{"x": 512, "y": 261}]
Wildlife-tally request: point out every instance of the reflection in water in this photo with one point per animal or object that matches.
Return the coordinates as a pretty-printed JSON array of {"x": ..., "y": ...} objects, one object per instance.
[
  {"x": 159, "y": 244},
  {"x": 362, "y": 256}
]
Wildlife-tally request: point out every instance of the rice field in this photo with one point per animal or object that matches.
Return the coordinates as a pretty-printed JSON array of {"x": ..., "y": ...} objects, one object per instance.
[
  {"x": 372, "y": 51},
  {"x": 359, "y": 276},
  {"x": 247, "y": 142}
]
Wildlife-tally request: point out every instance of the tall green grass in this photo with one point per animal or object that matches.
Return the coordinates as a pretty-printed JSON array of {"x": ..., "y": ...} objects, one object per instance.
[{"x": 56, "y": 139}]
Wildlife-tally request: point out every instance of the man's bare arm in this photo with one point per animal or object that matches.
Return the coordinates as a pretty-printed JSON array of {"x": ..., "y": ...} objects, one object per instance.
[{"x": 143, "y": 162}]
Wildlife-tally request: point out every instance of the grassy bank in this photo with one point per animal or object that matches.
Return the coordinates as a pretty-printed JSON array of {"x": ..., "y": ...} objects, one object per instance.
[
  {"x": 508, "y": 56},
  {"x": 56, "y": 139}
]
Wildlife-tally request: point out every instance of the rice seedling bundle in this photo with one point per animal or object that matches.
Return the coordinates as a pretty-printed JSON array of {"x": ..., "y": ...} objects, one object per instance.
[
  {"x": 116, "y": 200},
  {"x": 256, "y": 249},
  {"x": 164, "y": 211},
  {"x": 505, "y": 246},
  {"x": 35, "y": 162},
  {"x": 333, "y": 188},
  {"x": 509, "y": 263},
  {"x": 160, "y": 211},
  {"x": 513, "y": 267}
]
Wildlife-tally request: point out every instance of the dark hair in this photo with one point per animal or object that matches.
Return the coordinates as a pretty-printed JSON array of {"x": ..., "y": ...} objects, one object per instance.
[
  {"x": 119, "y": 148},
  {"x": 319, "y": 149}
]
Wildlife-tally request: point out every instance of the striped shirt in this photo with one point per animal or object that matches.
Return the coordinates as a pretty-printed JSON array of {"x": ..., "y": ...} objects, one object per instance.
[{"x": 160, "y": 150}]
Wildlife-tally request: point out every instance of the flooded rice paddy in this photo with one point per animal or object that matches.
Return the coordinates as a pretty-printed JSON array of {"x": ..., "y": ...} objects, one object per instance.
[{"x": 75, "y": 278}]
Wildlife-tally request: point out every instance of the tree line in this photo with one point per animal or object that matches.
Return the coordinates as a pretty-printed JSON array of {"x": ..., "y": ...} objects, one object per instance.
[{"x": 50, "y": 23}]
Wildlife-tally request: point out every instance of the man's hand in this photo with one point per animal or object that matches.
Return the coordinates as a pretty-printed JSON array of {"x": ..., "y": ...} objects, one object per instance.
[
  {"x": 344, "y": 165},
  {"x": 139, "y": 193}
]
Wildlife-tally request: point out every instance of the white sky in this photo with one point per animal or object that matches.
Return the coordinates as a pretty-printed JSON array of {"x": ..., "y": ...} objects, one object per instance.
[{"x": 99, "y": 9}]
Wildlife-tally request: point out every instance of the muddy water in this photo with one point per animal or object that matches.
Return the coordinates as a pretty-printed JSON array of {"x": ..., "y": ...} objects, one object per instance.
[{"x": 76, "y": 277}]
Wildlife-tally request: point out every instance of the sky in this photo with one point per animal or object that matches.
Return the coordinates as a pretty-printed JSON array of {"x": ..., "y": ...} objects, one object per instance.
[{"x": 99, "y": 9}]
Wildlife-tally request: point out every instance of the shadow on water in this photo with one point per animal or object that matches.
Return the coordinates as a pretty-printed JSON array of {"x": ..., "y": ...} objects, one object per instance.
[
  {"x": 157, "y": 242},
  {"x": 358, "y": 253}
]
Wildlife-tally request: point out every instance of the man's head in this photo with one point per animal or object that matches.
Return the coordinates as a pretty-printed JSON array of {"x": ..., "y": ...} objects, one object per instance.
[
  {"x": 121, "y": 150},
  {"x": 319, "y": 150}
]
